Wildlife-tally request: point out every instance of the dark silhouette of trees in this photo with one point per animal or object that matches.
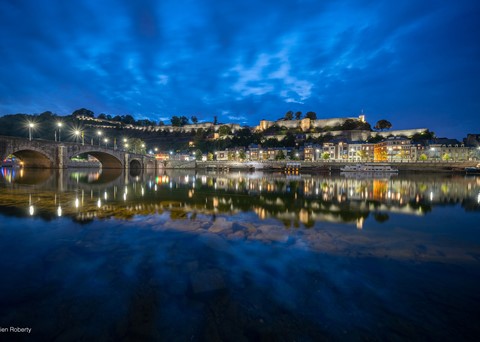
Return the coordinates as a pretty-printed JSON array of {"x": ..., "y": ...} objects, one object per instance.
[
  {"x": 298, "y": 115},
  {"x": 311, "y": 115},
  {"x": 288, "y": 115},
  {"x": 383, "y": 125},
  {"x": 194, "y": 120},
  {"x": 83, "y": 112}
]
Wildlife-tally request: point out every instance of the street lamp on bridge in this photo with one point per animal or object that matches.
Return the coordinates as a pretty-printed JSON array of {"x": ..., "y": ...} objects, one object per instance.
[
  {"x": 79, "y": 133},
  {"x": 99, "y": 133},
  {"x": 105, "y": 141},
  {"x": 31, "y": 126},
  {"x": 59, "y": 125}
]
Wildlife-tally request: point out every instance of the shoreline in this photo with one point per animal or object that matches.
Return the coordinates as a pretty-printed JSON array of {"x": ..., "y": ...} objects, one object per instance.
[{"x": 317, "y": 167}]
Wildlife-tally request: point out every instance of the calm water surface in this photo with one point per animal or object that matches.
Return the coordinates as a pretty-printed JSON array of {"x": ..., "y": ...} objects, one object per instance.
[{"x": 187, "y": 256}]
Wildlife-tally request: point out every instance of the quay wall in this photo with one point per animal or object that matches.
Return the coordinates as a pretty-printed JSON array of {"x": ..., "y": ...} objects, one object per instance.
[{"x": 427, "y": 166}]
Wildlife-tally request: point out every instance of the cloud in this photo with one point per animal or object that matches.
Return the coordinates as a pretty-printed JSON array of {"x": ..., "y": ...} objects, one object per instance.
[{"x": 414, "y": 63}]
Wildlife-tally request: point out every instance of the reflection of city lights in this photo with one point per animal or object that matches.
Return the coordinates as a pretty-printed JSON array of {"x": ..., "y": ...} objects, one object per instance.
[
  {"x": 99, "y": 203},
  {"x": 431, "y": 195},
  {"x": 31, "y": 210},
  {"x": 125, "y": 196},
  {"x": 478, "y": 198},
  {"x": 59, "y": 211},
  {"x": 143, "y": 191},
  {"x": 77, "y": 203},
  {"x": 105, "y": 195},
  {"x": 155, "y": 187}
]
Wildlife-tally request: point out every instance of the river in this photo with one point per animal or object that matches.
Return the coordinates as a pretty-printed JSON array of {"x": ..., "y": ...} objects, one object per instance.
[{"x": 104, "y": 255}]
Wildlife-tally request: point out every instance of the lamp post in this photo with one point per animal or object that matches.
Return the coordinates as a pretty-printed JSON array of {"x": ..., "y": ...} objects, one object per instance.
[
  {"x": 390, "y": 153},
  {"x": 31, "y": 126},
  {"x": 76, "y": 133},
  {"x": 99, "y": 133},
  {"x": 59, "y": 125},
  {"x": 106, "y": 142}
]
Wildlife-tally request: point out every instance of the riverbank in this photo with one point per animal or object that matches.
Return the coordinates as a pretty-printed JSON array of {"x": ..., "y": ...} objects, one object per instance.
[{"x": 307, "y": 166}]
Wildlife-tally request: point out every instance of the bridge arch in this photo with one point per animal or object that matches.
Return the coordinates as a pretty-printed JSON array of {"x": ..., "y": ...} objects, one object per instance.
[
  {"x": 32, "y": 157},
  {"x": 135, "y": 164},
  {"x": 107, "y": 160}
]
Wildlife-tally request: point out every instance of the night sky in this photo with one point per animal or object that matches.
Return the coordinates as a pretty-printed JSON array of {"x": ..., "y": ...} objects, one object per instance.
[{"x": 414, "y": 63}]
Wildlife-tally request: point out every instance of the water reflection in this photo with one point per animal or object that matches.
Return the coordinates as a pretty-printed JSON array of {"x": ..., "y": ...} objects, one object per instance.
[{"x": 302, "y": 200}]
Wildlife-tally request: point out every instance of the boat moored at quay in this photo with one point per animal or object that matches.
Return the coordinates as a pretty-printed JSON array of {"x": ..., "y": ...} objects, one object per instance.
[{"x": 369, "y": 167}]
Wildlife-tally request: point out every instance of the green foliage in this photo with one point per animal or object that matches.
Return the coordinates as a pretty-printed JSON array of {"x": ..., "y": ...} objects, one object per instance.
[
  {"x": 375, "y": 139},
  {"x": 383, "y": 125},
  {"x": 288, "y": 115},
  {"x": 136, "y": 145},
  {"x": 83, "y": 112},
  {"x": 224, "y": 130},
  {"x": 362, "y": 154},
  {"x": 446, "y": 157},
  {"x": 423, "y": 157},
  {"x": 242, "y": 155},
  {"x": 179, "y": 121},
  {"x": 325, "y": 155},
  {"x": 288, "y": 140},
  {"x": 422, "y": 137},
  {"x": 198, "y": 154},
  {"x": 280, "y": 155}
]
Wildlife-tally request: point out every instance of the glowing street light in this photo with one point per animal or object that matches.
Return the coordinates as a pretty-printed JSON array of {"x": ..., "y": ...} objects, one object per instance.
[
  {"x": 59, "y": 125},
  {"x": 105, "y": 141},
  {"x": 31, "y": 126},
  {"x": 77, "y": 134},
  {"x": 99, "y": 133}
]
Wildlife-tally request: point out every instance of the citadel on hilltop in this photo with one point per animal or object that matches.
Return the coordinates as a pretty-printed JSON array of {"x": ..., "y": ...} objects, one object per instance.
[{"x": 312, "y": 128}]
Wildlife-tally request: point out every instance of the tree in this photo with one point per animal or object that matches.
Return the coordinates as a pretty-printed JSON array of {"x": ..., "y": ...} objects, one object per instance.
[
  {"x": 377, "y": 138},
  {"x": 383, "y": 125},
  {"x": 136, "y": 145},
  {"x": 298, "y": 115},
  {"x": 362, "y": 154},
  {"x": 210, "y": 156},
  {"x": 325, "y": 155},
  {"x": 311, "y": 115},
  {"x": 288, "y": 115},
  {"x": 280, "y": 155},
  {"x": 446, "y": 157},
  {"x": 83, "y": 112},
  {"x": 183, "y": 120},
  {"x": 198, "y": 155},
  {"x": 242, "y": 155},
  {"x": 175, "y": 120},
  {"x": 215, "y": 120},
  {"x": 161, "y": 123},
  {"x": 128, "y": 119},
  {"x": 224, "y": 130},
  {"x": 194, "y": 120},
  {"x": 423, "y": 157}
]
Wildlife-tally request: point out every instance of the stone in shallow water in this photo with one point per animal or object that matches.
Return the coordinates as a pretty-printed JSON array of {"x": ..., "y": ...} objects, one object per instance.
[
  {"x": 183, "y": 225},
  {"x": 207, "y": 280},
  {"x": 220, "y": 225}
]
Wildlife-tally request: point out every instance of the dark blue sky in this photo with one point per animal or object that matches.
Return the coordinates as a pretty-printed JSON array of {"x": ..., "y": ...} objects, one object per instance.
[{"x": 415, "y": 63}]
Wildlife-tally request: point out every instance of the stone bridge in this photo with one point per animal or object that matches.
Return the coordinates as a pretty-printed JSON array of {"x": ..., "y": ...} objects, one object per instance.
[{"x": 50, "y": 154}]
